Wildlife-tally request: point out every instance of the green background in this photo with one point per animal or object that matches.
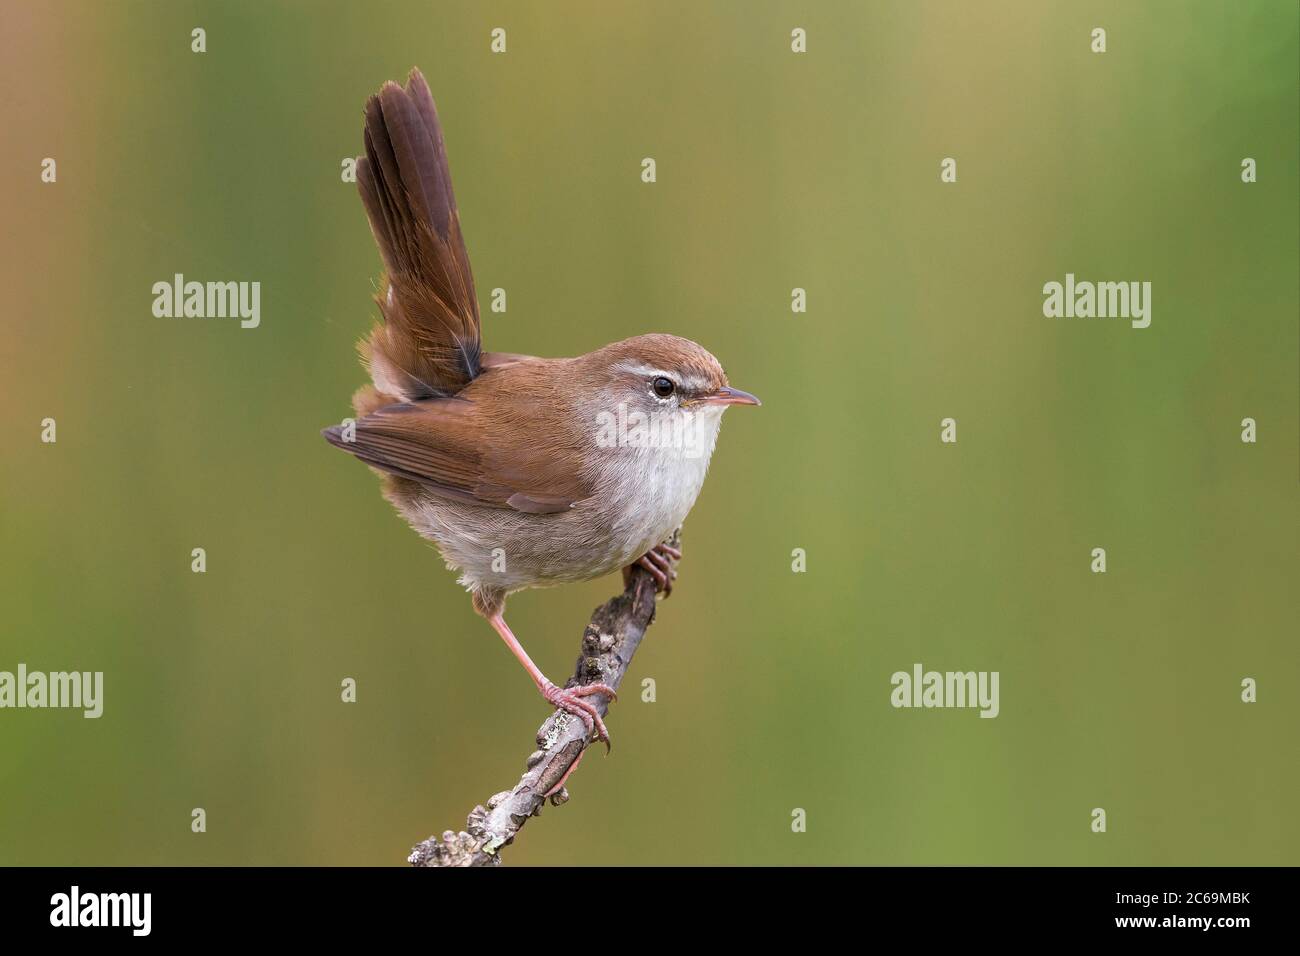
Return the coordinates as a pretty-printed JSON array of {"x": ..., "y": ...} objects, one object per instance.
[{"x": 775, "y": 170}]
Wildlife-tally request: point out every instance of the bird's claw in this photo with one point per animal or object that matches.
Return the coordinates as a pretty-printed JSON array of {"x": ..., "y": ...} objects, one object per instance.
[
  {"x": 658, "y": 561},
  {"x": 570, "y": 700}
]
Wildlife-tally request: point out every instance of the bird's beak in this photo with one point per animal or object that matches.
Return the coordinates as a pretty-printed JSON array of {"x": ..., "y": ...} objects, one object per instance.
[{"x": 730, "y": 396}]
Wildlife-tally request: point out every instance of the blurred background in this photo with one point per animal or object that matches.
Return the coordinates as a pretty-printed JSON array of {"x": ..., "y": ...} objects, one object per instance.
[{"x": 775, "y": 170}]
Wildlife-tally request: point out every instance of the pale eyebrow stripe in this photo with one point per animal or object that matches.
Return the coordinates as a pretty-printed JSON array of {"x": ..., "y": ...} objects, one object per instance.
[{"x": 692, "y": 383}]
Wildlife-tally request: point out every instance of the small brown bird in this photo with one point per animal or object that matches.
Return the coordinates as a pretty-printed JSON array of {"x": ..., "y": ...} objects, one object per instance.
[{"x": 525, "y": 472}]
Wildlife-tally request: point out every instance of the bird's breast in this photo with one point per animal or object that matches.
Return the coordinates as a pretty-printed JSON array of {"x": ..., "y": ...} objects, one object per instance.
[{"x": 648, "y": 490}]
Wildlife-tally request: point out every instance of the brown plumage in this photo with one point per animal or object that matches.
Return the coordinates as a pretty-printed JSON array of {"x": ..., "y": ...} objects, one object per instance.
[
  {"x": 428, "y": 343},
  {"x": 506, "y": 461}
]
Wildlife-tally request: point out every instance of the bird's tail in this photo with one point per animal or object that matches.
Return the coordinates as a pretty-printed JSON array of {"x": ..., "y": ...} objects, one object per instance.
[{"x": 428, "y": 343}]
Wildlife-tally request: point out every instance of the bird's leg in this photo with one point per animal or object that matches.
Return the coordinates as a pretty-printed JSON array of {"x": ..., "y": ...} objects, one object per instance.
[
  {"x": 568, "y": 699},
  {"x": 657, "y": 562}
]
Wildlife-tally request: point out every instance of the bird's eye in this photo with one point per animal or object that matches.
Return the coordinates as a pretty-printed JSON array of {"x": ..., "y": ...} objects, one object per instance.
[{"x": 663, "y": 386}]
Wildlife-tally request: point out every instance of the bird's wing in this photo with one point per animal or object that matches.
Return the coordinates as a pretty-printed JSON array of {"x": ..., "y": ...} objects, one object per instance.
[
  {"x": 448, "y": 447},
  {"x": 429, "y": 342}
]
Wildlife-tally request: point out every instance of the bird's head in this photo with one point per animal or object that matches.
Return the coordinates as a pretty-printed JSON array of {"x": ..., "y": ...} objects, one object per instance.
[
  {"x": 664, "y": 373},
  {"x": 657, "y": 388}
]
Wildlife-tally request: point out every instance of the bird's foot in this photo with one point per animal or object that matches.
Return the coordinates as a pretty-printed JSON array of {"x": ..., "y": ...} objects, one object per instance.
[
  {"x": 572, "y": 700},
  {"x": 658, "y": 561}
]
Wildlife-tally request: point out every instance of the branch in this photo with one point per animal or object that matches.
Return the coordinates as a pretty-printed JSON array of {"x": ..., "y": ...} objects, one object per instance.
[{"x": 608, "y": 644}]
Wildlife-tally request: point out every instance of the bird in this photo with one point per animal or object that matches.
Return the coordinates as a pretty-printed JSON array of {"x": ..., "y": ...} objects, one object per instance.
[{"x": 524, "y": 472}]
